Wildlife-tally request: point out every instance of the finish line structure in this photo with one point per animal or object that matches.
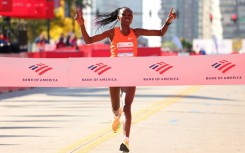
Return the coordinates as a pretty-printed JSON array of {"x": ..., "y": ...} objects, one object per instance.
[{"x": 128, "y": 71}]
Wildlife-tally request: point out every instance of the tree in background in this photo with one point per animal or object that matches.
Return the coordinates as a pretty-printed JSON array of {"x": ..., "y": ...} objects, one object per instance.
[
  {"x": 182, "y": 45},
  {"x": 236, "y": 45},
  {"x": 187, "y": 46},
  {"x": 169, "y": 46},
  {"x": 63, "y": 23}
]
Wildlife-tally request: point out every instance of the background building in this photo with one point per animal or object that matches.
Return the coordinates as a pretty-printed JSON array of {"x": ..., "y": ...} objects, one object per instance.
[
  {"x": 166, "y": 6},
  {"x": 216, "y": 22},
  {"x": 105, "y": 6},
  {"x": 151, "y": 20},
  {"x": 196, "y": 19},
  {"x": 233, "y": 18},
  {"x": 205, "y": 18},
  {"x": 188, "y": 23}
]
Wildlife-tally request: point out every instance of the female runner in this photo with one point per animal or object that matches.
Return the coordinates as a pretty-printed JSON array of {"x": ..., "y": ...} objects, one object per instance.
[{"x": 123, "y": 43}]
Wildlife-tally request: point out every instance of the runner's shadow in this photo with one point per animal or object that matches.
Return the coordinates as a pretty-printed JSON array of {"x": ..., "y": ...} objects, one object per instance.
[
  {"x": 189, "y": 97},
  {"x": 9, "y": 144},
  {"x": 73, "y": 92},
  {"x": 17, "y": 136},
  {"x": 24, "y": 127}
]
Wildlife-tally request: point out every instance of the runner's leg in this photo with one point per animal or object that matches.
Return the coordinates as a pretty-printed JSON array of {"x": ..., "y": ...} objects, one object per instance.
[
  {"x": 128, "y": 100},
  {"x": 129, "y": 97},
  {"x": 115, "y": 99},
  {"x": 115, "y": 102}
]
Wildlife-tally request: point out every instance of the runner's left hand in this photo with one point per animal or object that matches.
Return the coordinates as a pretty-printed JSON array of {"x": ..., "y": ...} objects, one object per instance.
[{"x": 171, "y": 16}]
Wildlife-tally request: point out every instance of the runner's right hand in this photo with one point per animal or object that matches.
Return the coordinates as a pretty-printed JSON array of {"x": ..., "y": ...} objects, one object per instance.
[{"x": 79, "y": 17}]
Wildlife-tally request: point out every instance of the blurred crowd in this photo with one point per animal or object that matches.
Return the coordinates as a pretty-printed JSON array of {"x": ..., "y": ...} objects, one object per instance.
[
  {"x": 70, "y": 40},
  {"x": 6, "y": 46},
  {"x": 4, "y": 37}
]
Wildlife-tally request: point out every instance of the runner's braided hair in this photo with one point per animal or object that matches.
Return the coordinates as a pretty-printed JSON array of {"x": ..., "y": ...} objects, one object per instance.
[{"x": 103, "y": 19}]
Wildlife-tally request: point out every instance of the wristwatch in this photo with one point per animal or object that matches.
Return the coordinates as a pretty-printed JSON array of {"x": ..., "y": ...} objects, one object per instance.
[{"x": 166, "y": 23}]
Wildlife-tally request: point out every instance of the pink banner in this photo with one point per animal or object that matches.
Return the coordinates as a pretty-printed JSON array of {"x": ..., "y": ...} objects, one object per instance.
[
  {"x": 34, "y": 72},
  {"x": 129, "y": 71}
]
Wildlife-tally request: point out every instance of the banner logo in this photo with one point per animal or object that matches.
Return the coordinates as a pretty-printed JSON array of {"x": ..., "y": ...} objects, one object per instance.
[
  {"x": 40, "y": 68},
  {"x": 223, "y": 66},
  {"x": 161, "y": 67},
  {"x": 99, "y": 68}
]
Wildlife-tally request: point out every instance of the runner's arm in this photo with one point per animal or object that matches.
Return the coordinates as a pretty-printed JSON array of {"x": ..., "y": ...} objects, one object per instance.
[
  {"x": 162, "y": 31},
  {"x": 90, "y": 39}
]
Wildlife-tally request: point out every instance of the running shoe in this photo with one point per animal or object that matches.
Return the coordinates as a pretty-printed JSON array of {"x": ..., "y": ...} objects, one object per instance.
[
  {"x": 116, "y": 122},
  {"x": 124, "y": 147}
]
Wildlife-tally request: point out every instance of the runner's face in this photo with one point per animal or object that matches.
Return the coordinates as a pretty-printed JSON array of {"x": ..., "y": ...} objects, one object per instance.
[{"x": 125, "y": 16}]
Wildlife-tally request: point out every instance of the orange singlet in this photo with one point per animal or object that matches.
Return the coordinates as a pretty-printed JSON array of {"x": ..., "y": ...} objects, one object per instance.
[{"x": 122, "y": 45}]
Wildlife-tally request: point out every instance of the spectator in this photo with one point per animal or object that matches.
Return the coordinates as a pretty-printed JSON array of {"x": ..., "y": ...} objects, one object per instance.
[
  {"x": 4, "y": 37},
  {"x": 73, "y": 40},
  {"x": 202, "y": 52},
  {"x": 61, "y": 42},
  {"x": 41, "y": 41},
  {"x": 68, "y": 39}
]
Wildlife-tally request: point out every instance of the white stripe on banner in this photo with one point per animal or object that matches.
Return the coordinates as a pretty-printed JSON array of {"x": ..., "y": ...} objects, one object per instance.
[{"x": 129, "y": 71}]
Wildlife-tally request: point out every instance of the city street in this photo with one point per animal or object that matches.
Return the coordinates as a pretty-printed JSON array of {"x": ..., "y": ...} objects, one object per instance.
[
  {"x": 166, "y": 119},
  {"x": 58, "y": 58}
]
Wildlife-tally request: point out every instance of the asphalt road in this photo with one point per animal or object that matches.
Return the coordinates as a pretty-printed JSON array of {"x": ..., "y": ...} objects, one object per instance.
[{"x": 167, "y": 119}]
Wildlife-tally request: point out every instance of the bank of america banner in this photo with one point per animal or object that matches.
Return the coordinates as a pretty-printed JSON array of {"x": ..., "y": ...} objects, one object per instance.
[{"x": 128, "y": 71}]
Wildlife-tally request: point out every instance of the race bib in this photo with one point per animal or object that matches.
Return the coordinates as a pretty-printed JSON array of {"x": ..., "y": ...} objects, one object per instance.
[{"x": 125, "y": 49}]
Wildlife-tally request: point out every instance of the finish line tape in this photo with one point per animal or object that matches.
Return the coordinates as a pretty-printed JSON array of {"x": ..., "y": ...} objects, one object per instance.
[{"x": 129, "y": 71}]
